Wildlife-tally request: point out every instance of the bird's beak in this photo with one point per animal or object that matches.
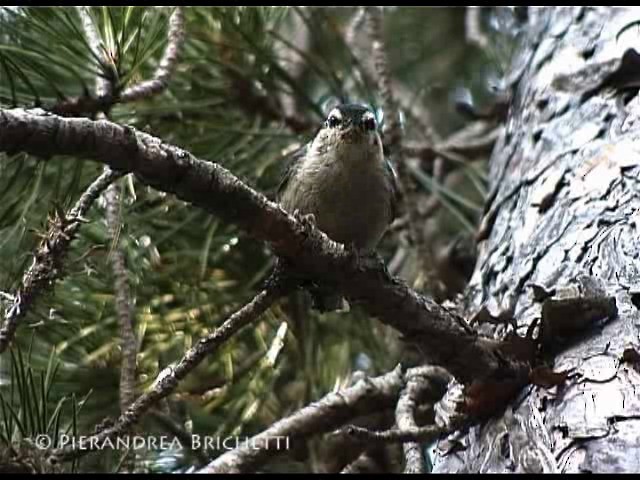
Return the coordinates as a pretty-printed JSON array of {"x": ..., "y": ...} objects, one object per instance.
[{"x": 352, "y": 133}]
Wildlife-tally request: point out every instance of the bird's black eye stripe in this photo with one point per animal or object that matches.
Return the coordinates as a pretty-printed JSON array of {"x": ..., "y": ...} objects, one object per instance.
[{"x": 333, "y": 121}]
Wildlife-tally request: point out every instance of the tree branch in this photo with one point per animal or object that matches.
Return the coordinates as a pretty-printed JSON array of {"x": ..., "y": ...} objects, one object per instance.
[
  {"x": 169, "y": 378},
  {"x": 123, "y": 304},
  {"x": 473, "y": 28},
  {"x": 365, "y": 463},
  {"x": 407, "y": 435},
  {"x": 440, "y": 333},
  {"x": 168, "y": 63},
  {"x": 323, "y": 416},
  {"x": 393, "y": 127},
  {"x": 354, "y": 25},
  {"x": 48, "y": 259},
  {"x": 105, "y": 98},
  {"x": 405, "y": 420},
  {"x": 269, "y": 108},
  {"x": 394, "y": 133},
  {"x": 128, "y": 342}
]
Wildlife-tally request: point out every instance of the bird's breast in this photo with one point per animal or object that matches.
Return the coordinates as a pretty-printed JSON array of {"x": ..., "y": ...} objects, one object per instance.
[{"x": 351, "y": 202}]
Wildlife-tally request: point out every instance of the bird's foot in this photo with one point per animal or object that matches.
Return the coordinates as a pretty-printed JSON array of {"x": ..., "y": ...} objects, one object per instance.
[
  {"x": 308, "y": 220},
  {"x": 365, "y": 257}
]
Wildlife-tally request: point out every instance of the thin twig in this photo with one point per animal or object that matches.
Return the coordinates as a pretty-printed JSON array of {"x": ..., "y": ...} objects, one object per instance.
[
  {"x": 354, "y": 26},
  {"x": 405, "y": 420},
  {"x": 105, "y": 87},
  {"x": 365, "y": 463},
  {"x": 48, "y": 259},
  {"x": 473, "y": 28},
  {"x": 393, "y": 127},
  {"x": 169, "y": 378},
  {"x": 160, "y": 80},
  {"x": 407, "y": 435},
  {"x": 106, "y": 96},
  {"x": 319, "y": 417},
  {"x": 123, "y": 303},
  {"x": 128, "y": 342},
  {"x": 394, "y": 137},
  {"x": 292, "y": 58},
  {"x": 93, "y": 39}
]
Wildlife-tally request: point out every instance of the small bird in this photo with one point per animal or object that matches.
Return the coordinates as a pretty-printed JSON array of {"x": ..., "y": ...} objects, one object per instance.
[{"x": 344, "y": 181}]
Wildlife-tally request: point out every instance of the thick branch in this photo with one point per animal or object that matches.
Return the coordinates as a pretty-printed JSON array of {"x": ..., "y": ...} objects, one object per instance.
[
  {"x": 169, "y": 378},
  {"x": 441, "y": 334},
  {"x": 323, "y": 416},
  {"x": 48, "y": 259}
]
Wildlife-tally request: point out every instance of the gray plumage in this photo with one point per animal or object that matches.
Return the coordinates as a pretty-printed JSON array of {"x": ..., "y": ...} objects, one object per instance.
[{"x": 344, "y": 180}]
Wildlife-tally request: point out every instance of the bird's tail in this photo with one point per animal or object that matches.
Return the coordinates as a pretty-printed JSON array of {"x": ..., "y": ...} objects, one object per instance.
[{"x": 326, "y": 300}]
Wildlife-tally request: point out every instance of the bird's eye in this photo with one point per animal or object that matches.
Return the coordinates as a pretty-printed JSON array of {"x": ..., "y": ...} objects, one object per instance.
[
  {"x": 369, "y": 123},
  {"x": 333, "y": 121}
]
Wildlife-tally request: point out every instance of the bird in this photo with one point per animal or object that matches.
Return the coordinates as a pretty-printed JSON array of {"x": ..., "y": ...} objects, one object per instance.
[{"x": 344, "y": 183}]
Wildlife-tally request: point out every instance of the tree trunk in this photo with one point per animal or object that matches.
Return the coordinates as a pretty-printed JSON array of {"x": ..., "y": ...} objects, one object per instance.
[{"x": 565, "y": 213}]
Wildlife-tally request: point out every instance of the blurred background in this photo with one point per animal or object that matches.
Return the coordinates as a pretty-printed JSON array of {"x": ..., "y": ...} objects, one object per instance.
[{"x": 251, "y": 86}]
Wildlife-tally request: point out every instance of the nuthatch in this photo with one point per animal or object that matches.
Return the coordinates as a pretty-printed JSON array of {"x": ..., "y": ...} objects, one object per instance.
[{"x": 343, "y": 179}]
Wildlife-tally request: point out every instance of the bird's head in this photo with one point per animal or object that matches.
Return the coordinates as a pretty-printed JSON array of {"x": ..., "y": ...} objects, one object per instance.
[{"x": 348, "y": 129}]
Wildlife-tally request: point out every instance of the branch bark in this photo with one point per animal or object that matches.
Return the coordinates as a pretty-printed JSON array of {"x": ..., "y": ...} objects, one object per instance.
[{"x": 405, "y": 420}]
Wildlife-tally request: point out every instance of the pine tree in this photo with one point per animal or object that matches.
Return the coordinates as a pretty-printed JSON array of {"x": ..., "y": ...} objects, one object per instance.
[{"x": 110, "y": 282}]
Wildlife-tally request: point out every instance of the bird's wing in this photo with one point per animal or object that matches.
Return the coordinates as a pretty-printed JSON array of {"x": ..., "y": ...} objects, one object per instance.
[
  {"x": 293, "y": 163},
  {"x": 395, "y": 190}
]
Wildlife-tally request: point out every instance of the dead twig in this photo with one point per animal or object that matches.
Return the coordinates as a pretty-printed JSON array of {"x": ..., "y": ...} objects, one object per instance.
[{"x": 49, "y": 257}]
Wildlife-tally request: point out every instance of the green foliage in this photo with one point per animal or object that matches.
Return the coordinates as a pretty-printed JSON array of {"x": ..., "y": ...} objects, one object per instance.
[
  {"x": 32, "y": 417},
  {"x": 45, "y": 55}
]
